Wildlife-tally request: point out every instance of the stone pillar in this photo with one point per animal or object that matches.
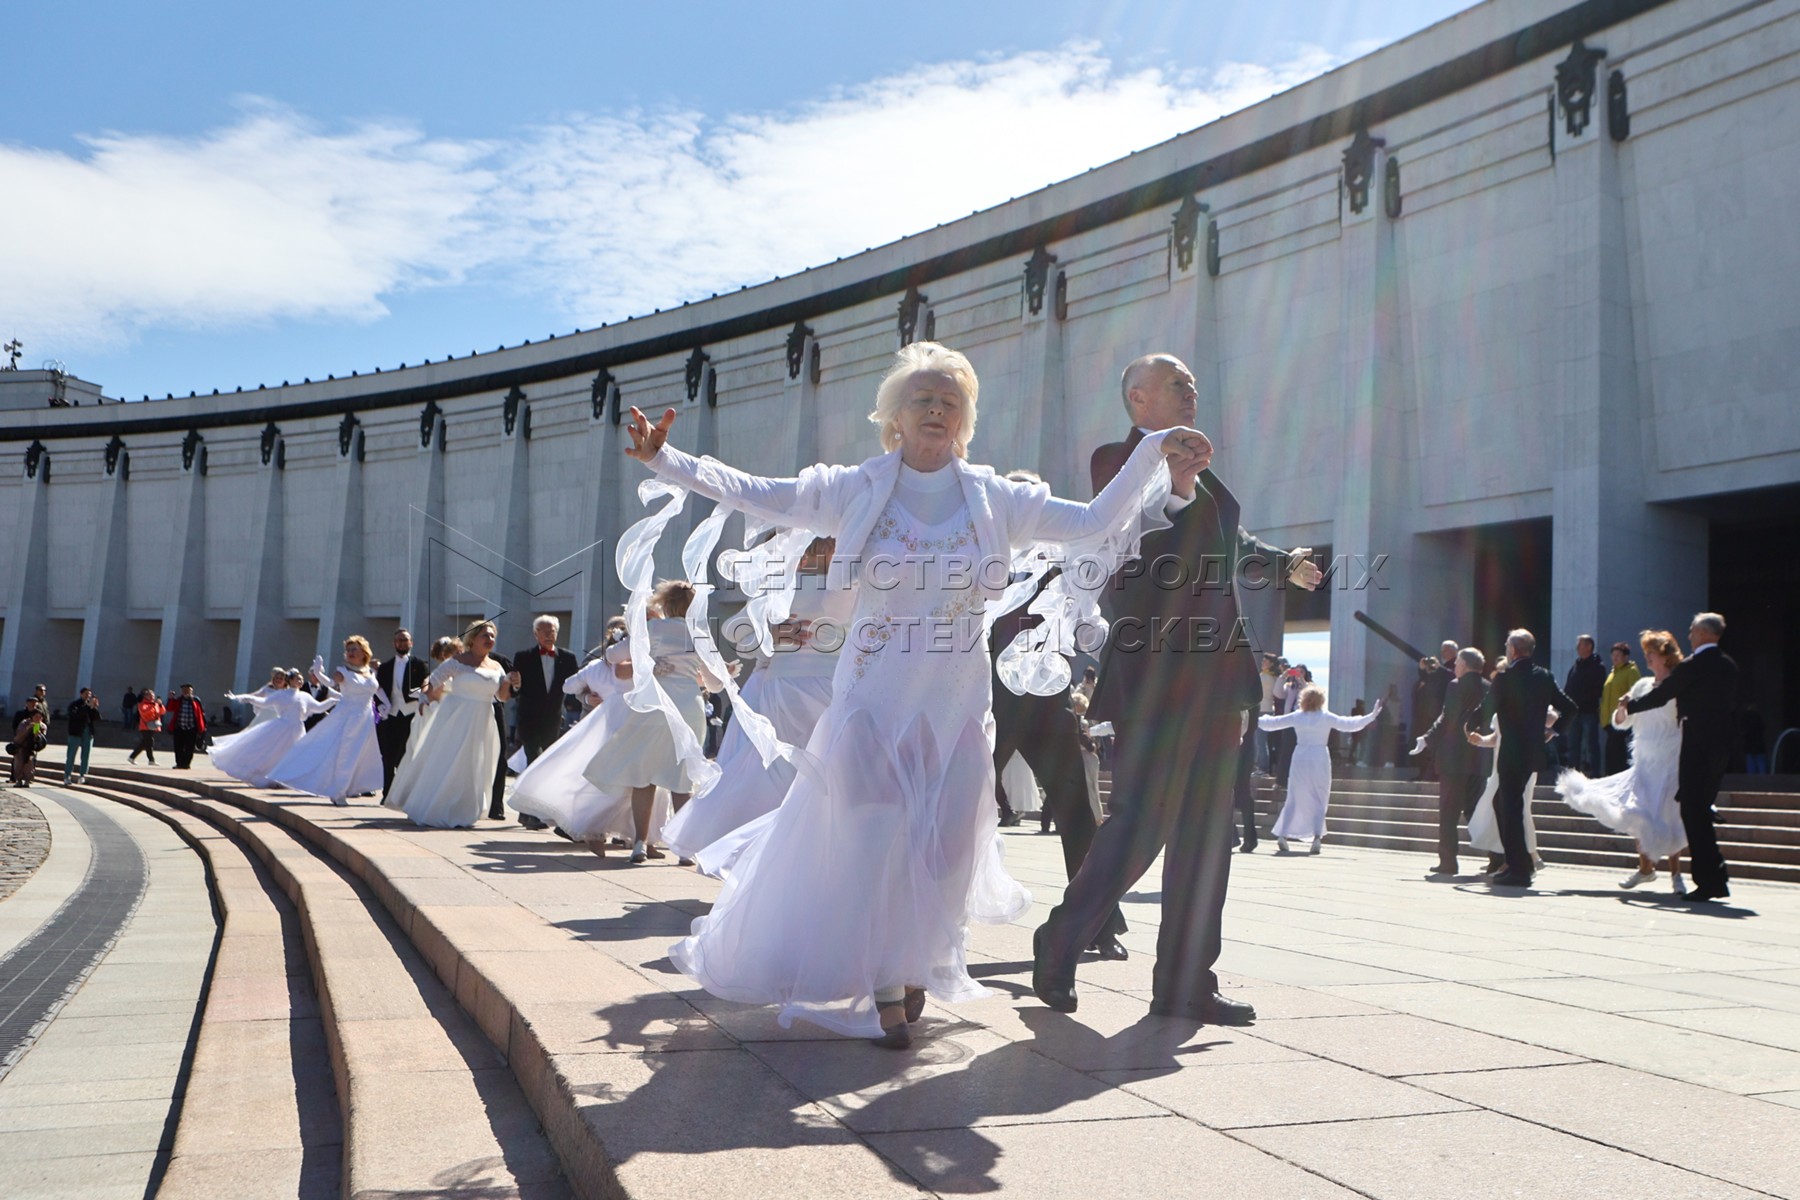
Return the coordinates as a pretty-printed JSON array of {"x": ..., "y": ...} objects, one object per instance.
[
  {"x": 802, "y": 402},
  {"x": 1376, "y": 486},
  {"x": 26, "y": 636},
  {"x": 189, "y": 649},
  {"x": 1619, "y": 564},
  {"x": 1043, "y": 399},
  {"x": 105, "y": 632},
  {"x": 341, "y": 606},
  {"x": 265, "y": 636},
  {"x": 424, "y": 608},
  {"x": 594, "y": 557},
  {"x": 510, "y": 538},
  {"x": 1194, "y": 336}
]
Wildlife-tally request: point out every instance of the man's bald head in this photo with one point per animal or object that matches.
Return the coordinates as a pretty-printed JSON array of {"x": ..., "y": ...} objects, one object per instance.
[{"x": 1158, "y": 391}]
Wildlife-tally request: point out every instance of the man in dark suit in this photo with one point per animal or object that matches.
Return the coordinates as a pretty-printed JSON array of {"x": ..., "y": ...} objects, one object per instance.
[
  {"x": 1461, "y": 767},
  {"x": 401, "y": 677},
  {"x": 1705, "y": 686},
  {"x": 1177, "y": 675},
  {"x": 1520, "y": 700},
  {"x": 543, "y": 669}
]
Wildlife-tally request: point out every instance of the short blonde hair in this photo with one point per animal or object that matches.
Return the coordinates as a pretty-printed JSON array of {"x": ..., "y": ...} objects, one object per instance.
[
  {"x": 475, "y": 627},
  {"x": 916, "y": 359},
  {"x": 1312, "y": 698},
  {"x": 361, "y": 643}
]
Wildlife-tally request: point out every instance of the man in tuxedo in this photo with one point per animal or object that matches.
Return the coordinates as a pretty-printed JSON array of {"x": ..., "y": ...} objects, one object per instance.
[
  {"x": 1520, "y": 700},
  {"x": 1177, "y": 675},
  {"x": 401, "y": 678},
  {"x": 1705, "y": 685},
  {"x": 1460, "y": 767},
  {"x": 543, "y": 669}
]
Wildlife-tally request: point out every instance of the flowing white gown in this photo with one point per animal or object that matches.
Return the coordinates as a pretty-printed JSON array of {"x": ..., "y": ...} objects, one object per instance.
[
  {"x": 447, "y": 781},
  {"x": 1484, "y": 828},
  {"x": 1639, "y": 800},
  {"x": 886, "y": 846},
  {"x": 279, "y": 725},
  {"x": 1309, "y": 773},
  {"x": 338, "y": 757},
  {"x": 792, "y": 688},
  {"x": 639, "y": 749},
  {"x": 553, "y": 789}
]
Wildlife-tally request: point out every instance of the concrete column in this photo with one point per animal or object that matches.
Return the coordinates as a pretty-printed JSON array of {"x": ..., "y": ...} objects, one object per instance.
[
  {"x": 800, "y": 422},
  {"x": 594, "y": 558},
  {"x": 114, "y": 654},
  {"x": 190, "y": 648},
  {"x": 1194, "y": 336},
  {"x": 1043, "y": 400},
  {"x": 1620, "y": 565},
  {"x": 510, "y": 540},
  {"x": 265, "y": 635},
  {"x": 341, "y": 607},
  {"x": 1376, "y": 486},
  {"x": 25, "y": 640},
  {"x": 425, "y": 606}
]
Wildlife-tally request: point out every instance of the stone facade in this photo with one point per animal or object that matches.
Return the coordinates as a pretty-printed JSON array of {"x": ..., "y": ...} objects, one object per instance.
[{"x": 1434, "y": 293}]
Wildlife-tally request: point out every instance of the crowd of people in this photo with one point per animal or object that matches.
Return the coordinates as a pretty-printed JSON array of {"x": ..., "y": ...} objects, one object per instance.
[{"x": 911, "y": 632}]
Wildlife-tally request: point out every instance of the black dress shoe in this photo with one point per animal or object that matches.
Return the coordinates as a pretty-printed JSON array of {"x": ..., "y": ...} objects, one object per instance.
[
  {"x": 1511, "y": 879},
  {"x": 1008, "y": 820},
  {"x": 530, "y": 822},
  {"x": 1058, "y": 994},
  {"x": 1110, "y": 948},
  {"x": 1248, "y": 847},
  {"x": 1213, "y": 1010},
  {"x": 1703, "y": 895}
]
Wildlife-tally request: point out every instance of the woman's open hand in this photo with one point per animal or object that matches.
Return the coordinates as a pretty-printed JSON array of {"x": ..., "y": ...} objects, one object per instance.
[{"x": 647, "y": 439}]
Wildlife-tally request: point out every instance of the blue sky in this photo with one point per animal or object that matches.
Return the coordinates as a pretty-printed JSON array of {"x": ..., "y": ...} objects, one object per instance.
[{"x": 210, "y": 196}]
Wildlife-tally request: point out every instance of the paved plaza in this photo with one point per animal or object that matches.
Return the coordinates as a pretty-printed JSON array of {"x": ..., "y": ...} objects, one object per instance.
[{"x": 1415, "y": 1038}]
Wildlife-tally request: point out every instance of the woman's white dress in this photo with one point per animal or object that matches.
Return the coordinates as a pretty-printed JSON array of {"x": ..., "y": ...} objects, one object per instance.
[
  {"x": 1484, "y": 829},
  {"x": 1639, "y": 800},
  {"x": 279, "y": 725},
  {"x": 792, "y": 688},
  {"x": 1309, "y": 772},
  {"x": 338, "y": 757},
  {"x": 639, "y": 750},
  {"x": 447, "y": 777},
  {"x": 865, "y": 877},
  {"x": 553, "y": 789}
]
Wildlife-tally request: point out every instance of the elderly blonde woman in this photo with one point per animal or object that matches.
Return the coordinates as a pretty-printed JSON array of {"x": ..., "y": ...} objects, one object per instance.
[
  {"x": 852, "y": 897},
  {"x": 338, "y": 757},
  {"x": 1309, "y": 774}
]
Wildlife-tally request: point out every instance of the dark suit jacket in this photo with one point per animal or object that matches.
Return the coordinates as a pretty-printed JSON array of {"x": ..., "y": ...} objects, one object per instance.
[
  {"x": 1179, "y": 649},
  {"x": 1520, "y": 697},
  {"x": 539, "y": 705},
  {"x": 1706, "y": 687},
  {"x": 1462, "y": 709},
  {"x": 416, "y": 674}
]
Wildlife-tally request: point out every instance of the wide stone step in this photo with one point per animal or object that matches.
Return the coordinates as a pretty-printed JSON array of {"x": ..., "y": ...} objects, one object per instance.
[
  {"x": 429, "y": 1106},
  {"x": 259, "y": 1119}
]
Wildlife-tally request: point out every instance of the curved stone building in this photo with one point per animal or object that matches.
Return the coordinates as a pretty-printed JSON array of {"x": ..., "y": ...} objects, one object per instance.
[{"x": 1504, "y": 317}]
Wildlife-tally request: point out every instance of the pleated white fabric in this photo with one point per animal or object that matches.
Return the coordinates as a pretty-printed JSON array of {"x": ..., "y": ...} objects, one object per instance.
[
  {"x": 280, "y": 722},
  {"x": 447, "y": 777},
  {"x": 1639, "y": 800},
  {"x": 338, "y": 757}
]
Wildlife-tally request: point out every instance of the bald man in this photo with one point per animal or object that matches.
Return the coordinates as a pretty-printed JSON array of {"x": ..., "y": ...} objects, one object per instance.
[{"x": 1177, "y": 676}]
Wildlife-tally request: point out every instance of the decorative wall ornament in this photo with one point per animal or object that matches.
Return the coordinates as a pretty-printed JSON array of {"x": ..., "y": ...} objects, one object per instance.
[
  {"x": 1618, "y": 110},
  {"x": 191, "y": 446},
  {"x": 1575, "y": 85},
  {"x": 509, "y": 408},
  {"x": 1390, "y": 188},
  {"x": 428, "y": 421},
  {"x": 1187, "y": 230},
  {"x": 1061, "y": 308},
  {"x": 1359, "y": 168},
  {"x": 114, "y": 449},
  {"x": 1037, "y": 278},
  {"x": 347, "y": 436},
  {"x": 599, "y": 392},
  {"x": 36, "y": 454},
  {"x": 1212, "y": 247},
  {"x": 910, "y": 304},
  {"x": 709, "y": 388},
  {"x": 814, "y": 367},
  {"x": 695, "y": 373},
  {"x": 796, "y": 348},
  {"x": 931, "y": 324}
]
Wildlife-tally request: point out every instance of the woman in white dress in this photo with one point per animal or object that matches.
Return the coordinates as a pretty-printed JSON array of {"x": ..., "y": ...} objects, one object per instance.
[
  {"x": 1484, "y": 827},
  {"x": 791, "y": 688},
  {"x": 281, "y": 712},
  {"x": 1640, "y": 800},
  {"x": 443, "y": 648},
  {"x": 338, "y": 757},
  {"x": 448, "y": 783},
  {"x": 278, "y": 680},
  {"x": 1309, "y": 771},
  {"x": 854, "y": 895}
]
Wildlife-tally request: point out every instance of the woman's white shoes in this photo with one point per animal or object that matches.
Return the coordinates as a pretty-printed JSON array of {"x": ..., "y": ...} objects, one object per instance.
[
  {"x": 1678, "y": 885},
  {"x": 1282, "y": 843},
  {"x": 1636, "y": 877},
  {"x": 1315, "y": 846}
]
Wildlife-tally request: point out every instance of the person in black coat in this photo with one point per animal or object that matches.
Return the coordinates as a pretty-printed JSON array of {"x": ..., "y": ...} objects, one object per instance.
[
  {"x": 538, "y": 700},
  {"x": 395, "y": 729},
  {"x": 1520, "y": 700},
  {"x": 1428, "y": 705},
  {"x": 1705, "y": 685},
  {"x": 1177, "y": 675},
  {"x": 1584, "y": 684},
  {"x": 1461, "y": 768}
]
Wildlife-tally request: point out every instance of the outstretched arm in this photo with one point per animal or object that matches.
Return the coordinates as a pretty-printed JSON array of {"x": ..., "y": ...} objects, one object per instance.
[
  {"x": 1271, "y": 721},
  {"x": 1354, "y": 724},
  {"x": 1070, "y": 521},
  {"x": 776, "y": 501}
]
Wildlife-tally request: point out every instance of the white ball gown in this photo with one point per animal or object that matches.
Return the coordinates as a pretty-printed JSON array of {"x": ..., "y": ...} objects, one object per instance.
[
  {"x": 1302, "y": 815},
  {"x": 338, "y": 757},
  {"x": 1484, "y": 826},
  {"x": 886, "y": 846},
  {"x": 639, "y": 749},
  {"x": 447, "y": 777},
  {"x": 1639, "y": 800},
  {"x": 279, "y": 725},
  {"x": 792, "y": 688}
]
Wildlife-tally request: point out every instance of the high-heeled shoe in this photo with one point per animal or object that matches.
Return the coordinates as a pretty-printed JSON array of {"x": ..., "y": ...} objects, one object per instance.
[
  {"x": 896, "y": 1034},
  {"x": 915, "y": 1005}
]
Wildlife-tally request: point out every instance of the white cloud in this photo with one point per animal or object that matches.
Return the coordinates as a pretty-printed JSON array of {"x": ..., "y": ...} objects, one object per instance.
[{"x": 602, "y": 216}]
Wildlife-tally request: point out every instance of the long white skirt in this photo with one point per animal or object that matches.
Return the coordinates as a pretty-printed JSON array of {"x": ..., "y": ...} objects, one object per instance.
[
  {"x": 250, "y": 756},
  {"x": 1639, "y": 800},
  {"x": 746, "y": 789},
  {"x": 1308, "y": 795},
  {"x": 447, "y": 777},
  {"x": 638, "y": 749},
  {"x": 336, "y": 758},
  {"x": 1484, "y": 828},
  {"x": 554, "y": 790}
]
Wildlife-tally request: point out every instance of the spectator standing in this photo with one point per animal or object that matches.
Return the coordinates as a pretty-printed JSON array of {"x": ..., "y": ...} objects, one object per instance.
[
  {"x": 187, "y": 725},
  {"x": 1584, "y": 684},
  {"x": 29, "y": 735},
  {"x": 149, "y": 723},
  {"x": 1624, "y": 673},
  {"x": 84, "y": 718},
  {"x": 128, "y": 709}
]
